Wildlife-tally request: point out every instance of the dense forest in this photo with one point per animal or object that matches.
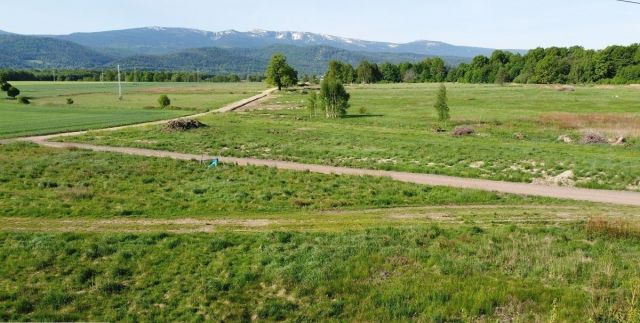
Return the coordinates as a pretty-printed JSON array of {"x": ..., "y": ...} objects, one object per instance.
[
  {"x": 576, "y": 65},
  {"x": 613, "y": 65},
  {"x": 111, "y": 75}
]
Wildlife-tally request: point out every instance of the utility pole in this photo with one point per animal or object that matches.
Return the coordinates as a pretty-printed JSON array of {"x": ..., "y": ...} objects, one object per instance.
[
  {"x": 135, "y": 75},
  {"x": 54, "y": 75},
  {"x": 119, "y": 85}
]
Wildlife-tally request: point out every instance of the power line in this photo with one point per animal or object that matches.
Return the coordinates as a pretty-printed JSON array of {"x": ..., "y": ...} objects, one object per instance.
[{"x": 628, "y": 1}]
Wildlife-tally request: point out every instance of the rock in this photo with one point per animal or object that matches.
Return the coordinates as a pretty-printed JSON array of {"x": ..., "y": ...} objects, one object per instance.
[
  {"x": 619, "y": 141},
  {"x": 566, "y": 139}
]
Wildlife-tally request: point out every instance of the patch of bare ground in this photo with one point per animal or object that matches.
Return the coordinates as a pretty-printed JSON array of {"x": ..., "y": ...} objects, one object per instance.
[
  {"x": 626, "y": 124},
  {"x": 132, "y": 225}
]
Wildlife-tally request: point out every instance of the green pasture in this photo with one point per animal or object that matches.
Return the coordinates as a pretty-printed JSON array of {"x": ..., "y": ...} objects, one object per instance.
[
  {"x": 393, "y": 127},
  {"x": 96, "y": 105}
]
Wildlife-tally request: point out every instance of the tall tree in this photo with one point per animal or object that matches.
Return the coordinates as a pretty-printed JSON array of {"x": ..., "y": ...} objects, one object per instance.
[{"x": 279, "y": 73}]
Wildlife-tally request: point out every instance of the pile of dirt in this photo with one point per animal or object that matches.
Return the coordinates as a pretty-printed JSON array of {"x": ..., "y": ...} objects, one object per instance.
[
  {"x": 463, "y": 131},
  {"x": 183, "y": 125},
  {"x": 593, "y": 138}
]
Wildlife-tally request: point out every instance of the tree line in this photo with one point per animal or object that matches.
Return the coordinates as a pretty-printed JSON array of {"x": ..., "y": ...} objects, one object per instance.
[
  {"x": 612, "y": 65},
  {"x": 126, "y": 76}
]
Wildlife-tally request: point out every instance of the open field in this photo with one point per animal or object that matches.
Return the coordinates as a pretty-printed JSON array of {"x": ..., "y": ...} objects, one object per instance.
[
  {"x": 430, "y": 272},
  {"x": 99, "y": 236},
  {"x": 516, "y": 133},
  {"x": 96, "y": 104},
  {"x": 60, "y": 183}
]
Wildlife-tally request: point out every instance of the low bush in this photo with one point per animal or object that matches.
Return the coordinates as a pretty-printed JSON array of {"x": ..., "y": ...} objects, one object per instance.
[
  {"x": 69, "y": 101},
  {"x": 23, "y": 100}
]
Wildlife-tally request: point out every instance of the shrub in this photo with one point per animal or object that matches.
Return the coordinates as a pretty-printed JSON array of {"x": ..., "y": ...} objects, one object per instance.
[
  {"x": 593, "y": 138},
  {"x": 183, "y": 125},
  {"x": 13, "y": 92},
  {"x": 164, "y": 101},
  {"x": 5, "y": 86},
  {"x": 441, "y": 104},
  {"x": 312, "y": 103},
  {"x": 69, "y": 101},
  {"x": 463, "y": 131},
  {"x": 363, "y": 110},
  {"x": 23, "y": 100}
]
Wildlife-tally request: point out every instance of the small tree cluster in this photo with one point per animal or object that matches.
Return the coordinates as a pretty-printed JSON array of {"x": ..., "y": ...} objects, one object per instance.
[
  {"x": 5, "y": 86},
  {"x": 333, "y": 99}
]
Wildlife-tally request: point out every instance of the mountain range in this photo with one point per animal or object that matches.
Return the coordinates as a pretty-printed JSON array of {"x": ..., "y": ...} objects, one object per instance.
[{"x": 216, "y": 52}]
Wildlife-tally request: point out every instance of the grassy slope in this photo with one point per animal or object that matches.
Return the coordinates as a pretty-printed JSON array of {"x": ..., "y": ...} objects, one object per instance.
[
  {"x": 396, "y": 134},
  {"x": 96, "y": 104},
  {"x": 427, "y": 273}
]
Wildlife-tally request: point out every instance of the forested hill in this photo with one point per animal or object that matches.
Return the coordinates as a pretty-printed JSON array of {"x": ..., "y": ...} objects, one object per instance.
[
  {"x": 29, "y": 52},
  {"x": 307, "y": 60},
  {"x": 18, "y": 51}
]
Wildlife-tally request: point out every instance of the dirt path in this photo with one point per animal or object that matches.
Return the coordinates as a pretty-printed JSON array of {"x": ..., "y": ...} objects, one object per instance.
[
  {"x": 603, "y": 196},
  {"x": 572, "y": 193}
]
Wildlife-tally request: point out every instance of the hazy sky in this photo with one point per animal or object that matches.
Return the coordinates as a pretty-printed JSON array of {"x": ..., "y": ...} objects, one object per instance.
[{"x": 488, "y": 23}]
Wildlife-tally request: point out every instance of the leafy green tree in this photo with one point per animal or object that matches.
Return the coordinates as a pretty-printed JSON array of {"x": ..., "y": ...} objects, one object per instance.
[
  {"x": 334, "y": 98},
  {"x": 13, "y": 92},
  {"x": 164, "y": 101},
  {"x": 441, "y": 104},
  {"x": 341, "y": 71},
  {"x": 390, "y": 73},
  {"x": 279, "y": 73},
  {"x": 368, "y": 73},
  {"x": 5, "y": 86},
  {"x": 502, "y": 76},
  {"x": 438, "y": 70}
]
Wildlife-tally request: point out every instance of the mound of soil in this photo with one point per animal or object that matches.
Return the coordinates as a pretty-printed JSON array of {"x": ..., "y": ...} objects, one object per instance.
[
  {"x": 463, "y": 131},
  {"x": 594, "y": 138},
  {"x": 183, "y": 125}
]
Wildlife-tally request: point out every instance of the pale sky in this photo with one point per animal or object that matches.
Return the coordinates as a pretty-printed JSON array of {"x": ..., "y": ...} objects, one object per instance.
[{"x": 485, "y": 23}]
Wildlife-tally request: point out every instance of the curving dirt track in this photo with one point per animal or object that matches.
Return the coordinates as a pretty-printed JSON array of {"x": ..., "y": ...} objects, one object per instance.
[{"x": 602, "y": 196}]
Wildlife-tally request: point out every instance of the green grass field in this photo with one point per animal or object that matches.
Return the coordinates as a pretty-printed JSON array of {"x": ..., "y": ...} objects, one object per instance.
[
  {"x": 516, "y": 133},
  {"x": 90, "y": 236},
  {"x": 96, "y": 105}
]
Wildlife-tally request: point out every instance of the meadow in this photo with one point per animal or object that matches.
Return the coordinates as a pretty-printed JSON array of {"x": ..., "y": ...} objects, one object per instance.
[
  {"x": 61, "y": 183},
  {"x": 96, "y": 105},
  {"x": 94, "y": 236},
  {"x": 429, "y": 272},
  {"x": 392, "y": 127}
]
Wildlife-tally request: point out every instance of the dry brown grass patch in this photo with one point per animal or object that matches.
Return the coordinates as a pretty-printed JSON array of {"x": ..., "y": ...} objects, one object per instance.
[
  {"x": 616, "y": 124},
  {"x": 614, "y": 227}
]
